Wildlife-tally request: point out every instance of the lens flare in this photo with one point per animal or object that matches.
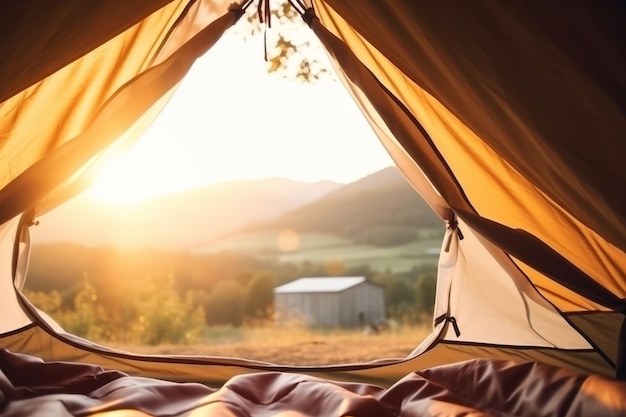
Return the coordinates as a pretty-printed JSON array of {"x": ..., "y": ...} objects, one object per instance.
[{"x": 288, "y": 240}]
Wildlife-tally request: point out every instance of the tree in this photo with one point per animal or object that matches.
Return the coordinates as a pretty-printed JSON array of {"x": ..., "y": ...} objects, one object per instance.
[
  {"x": 165, "y": 318},
  {"x": 260, "y": 296},
  {"x": 88, "y": 318},
  {"x": 225, "y": 304},
  {"x": 287, "y": 51},
  {"x": 49, "y": 302},
  {"x": 397, "y": 290},
  {"x": 426, "y": 287}
]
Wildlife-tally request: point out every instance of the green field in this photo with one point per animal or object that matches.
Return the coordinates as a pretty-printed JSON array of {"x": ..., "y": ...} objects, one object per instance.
[
  {"x": 325, "y": 248},
  {"x": 267, "y": 241}
]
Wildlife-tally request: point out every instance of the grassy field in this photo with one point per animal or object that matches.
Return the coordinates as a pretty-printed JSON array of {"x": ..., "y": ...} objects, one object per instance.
[
  {"x": 324, "y": 248},
  {"x": 296, "y": 345}
]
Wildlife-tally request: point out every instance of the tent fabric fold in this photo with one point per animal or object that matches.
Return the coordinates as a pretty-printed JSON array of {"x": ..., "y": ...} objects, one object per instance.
[
  {"x": 474, "y": 57},
  {"x": 124, "y": 107},
  {"x": 517, "y": 243},
  {"x": 510, "y": 198},
  {"x": 51, "y": 38},
  {"x": 502, "y": 388}
]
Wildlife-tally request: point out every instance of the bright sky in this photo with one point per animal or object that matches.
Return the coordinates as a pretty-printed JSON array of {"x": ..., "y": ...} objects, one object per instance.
[{"x": 230, "y": 120}]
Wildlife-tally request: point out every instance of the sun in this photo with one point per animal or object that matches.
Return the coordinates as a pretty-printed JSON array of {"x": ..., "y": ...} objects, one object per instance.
[
  {"x": 120, "y": 182},
  {"x": 142, "y": 172},
  {"x": 268, "y": 126}
]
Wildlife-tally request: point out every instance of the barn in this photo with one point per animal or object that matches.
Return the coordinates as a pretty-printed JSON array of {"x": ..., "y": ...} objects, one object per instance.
[{"x": 330, "y": 301}]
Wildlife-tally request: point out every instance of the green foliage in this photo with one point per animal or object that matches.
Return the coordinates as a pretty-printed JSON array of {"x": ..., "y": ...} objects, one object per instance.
[
  {"x": 426, "y": 286},
  {"x": 47, "y": 302},
  {"x": 226, "y": 304},
  {"x": 260, "y": 296},
  {"x": 131, "y": 297},
  {"x": 397, "y": 290},
  {"x": 165, "y": 317},
  {"x": 287, "y": 49},
  {"x": 87, "y": 318},
  {"x": 409, "y": 300}
]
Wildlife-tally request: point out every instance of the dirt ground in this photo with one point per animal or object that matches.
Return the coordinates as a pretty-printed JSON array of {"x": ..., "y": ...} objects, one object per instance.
[{"x": 301, "y": 349}]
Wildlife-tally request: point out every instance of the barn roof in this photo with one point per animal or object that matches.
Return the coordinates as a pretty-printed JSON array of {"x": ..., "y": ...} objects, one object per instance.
[{"x": 319, "y": 284}]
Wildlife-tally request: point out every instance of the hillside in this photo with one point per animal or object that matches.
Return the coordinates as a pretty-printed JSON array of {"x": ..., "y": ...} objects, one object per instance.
[
  {"x": 177, "y": 221},
  {"x": 189, "y": 220},
  {"x": 379, "y": 220},
  {"x": 380, "y": 200}
]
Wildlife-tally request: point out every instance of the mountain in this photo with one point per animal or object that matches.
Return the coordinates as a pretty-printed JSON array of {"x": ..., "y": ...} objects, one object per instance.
[
  {"x": 382, "y": 199},
  {"x": 381, "y": 209},
  {"x": 177, "y": 221},
  {"x": 384, "y": 178}
]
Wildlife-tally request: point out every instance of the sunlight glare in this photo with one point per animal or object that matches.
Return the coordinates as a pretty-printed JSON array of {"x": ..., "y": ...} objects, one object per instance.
[
  {"x": 231, "y": 120},
  {"x": 117, "y": 183},
  {"x": 288, "y": 240},
  {"x": 139, "y": 174}
]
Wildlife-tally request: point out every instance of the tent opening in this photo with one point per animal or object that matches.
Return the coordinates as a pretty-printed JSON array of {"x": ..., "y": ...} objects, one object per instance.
[{"x": 245, "y": 223}]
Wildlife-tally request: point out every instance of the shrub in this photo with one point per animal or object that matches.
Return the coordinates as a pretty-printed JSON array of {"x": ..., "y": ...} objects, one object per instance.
[
  {"x": 165, "y": 318},
  {"x": 260, "y": 296},
  {"x": 225, "y": 304}
]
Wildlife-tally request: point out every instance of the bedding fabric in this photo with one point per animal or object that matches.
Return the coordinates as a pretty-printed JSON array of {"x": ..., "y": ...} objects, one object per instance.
[{"x": 480, "y": 387}]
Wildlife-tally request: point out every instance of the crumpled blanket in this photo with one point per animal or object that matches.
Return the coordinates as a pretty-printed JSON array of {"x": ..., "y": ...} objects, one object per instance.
[{"x": 481, "y": 387}]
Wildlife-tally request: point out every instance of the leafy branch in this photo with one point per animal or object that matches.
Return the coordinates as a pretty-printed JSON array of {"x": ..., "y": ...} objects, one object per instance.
[{"x": 292, "y": 50}]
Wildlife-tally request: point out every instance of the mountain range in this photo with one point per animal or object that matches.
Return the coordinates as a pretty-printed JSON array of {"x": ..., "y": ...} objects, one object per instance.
[{"x": 192, "y": 220}]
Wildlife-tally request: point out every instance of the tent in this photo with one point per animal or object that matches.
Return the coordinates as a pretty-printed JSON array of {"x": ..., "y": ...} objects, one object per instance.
[{"x": 509, "y": 118}]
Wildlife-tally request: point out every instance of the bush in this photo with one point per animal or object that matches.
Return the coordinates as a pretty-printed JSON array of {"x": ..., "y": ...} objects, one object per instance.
[
  {"x": 88, "y": 318},
  {"x": 50, "y": 302},
  {"x": 165, "y": 318},
  {"x": 260, "y": 296},
  {"x": 226, "y": 304},
  {"x": 426, "y": 287}
]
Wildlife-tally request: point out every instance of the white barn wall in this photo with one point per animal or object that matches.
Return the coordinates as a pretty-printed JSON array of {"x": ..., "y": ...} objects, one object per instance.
[
  {"x": 311, "y": 309},
  {"x": 364, "y": 298},
  {"x": 321, "y": 309},
  {"x": 332, "y": 308}
]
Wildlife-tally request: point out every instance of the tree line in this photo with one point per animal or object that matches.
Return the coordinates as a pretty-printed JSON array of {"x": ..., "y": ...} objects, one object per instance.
[{"x": 153, "y": 297}]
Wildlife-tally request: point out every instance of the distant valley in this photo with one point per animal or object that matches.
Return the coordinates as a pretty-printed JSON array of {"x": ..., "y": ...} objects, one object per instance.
[
  {"x": 378, "y": 220},
  {"x": 177, "y": 221}
]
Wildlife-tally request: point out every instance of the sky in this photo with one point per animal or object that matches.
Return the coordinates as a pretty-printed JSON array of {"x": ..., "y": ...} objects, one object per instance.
[{"x": 231, "y": 120}]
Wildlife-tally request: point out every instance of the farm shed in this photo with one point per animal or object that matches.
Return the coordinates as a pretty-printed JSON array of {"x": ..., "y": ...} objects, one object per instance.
[{"x": 330, "y": 302}]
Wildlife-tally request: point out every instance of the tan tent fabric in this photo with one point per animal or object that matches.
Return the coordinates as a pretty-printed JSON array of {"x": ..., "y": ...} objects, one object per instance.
[
  {"x": 45, "y": 115},
  {"x": 561, "y": 296},
  {"x": 494, "y": 66},
  {"x": 35, "y": 341},
  {"x": 519, "y": 204},
  {"x": 489, "y": 309},
  {"x": 101, "y": 126},
  {"x": 13, "y": 317},
  {"x": 44, "y": 39}
]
